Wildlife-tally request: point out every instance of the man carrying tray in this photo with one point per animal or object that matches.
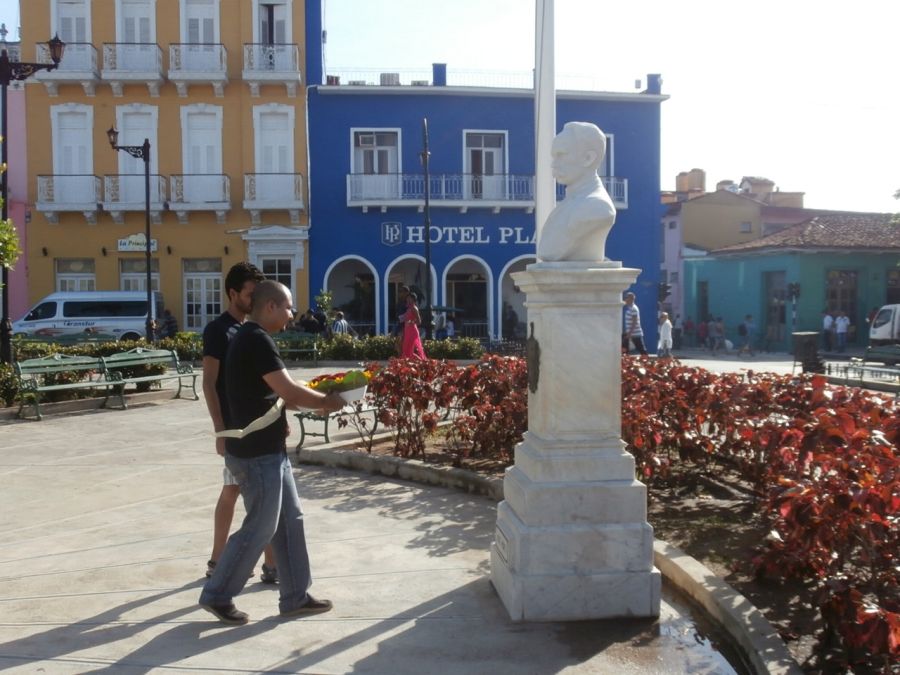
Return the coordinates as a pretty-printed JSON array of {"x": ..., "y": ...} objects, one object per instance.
[{"x": 258, "y": 389}]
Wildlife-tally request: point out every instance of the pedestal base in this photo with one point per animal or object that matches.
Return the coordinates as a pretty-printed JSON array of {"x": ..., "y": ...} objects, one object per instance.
[{"x": 575, "y": 597}]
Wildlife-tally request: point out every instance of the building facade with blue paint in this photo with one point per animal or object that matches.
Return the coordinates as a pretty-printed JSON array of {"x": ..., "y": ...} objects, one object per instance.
[{"x": 367, "y": 194}]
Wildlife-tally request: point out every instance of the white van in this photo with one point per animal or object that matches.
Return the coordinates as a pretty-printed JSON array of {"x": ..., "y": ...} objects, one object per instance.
[
  {"x": 120, "y": 315},
  {"x": 885, "y": 328}
]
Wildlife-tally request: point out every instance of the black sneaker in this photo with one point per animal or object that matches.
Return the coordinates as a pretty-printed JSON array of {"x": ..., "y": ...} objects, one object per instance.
[
  {"x": 210, "y": 568},
  {"x": 312, "y": 606},
  {"x": 227, "y": 614},
  {"x": 269, "y": 575}
]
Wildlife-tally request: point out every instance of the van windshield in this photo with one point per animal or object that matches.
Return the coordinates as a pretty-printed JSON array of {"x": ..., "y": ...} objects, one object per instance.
[
  {"x": 45, "y": 310},
  {"x": 102, "y": 308},
  {"x": 883, "y": 317}
]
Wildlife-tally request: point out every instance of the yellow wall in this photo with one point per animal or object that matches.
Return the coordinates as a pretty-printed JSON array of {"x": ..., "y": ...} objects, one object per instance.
[
  {"x": 714, "y": 221},
  {"x": 202, "y": 237}
]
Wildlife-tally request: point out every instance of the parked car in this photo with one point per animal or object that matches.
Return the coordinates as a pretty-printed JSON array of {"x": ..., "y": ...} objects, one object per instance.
[{"x": 884, "y": 336}]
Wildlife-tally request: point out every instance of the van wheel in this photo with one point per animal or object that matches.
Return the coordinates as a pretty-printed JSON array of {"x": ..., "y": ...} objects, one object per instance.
[{"x": 129, "y": 337}]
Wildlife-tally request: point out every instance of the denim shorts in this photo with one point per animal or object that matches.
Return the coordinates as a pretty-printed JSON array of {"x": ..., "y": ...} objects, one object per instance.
[{"x": 228, "y": 477}]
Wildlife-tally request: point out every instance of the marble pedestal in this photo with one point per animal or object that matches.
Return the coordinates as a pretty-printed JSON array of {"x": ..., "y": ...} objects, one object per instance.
[{"x": 572, "y": 539}]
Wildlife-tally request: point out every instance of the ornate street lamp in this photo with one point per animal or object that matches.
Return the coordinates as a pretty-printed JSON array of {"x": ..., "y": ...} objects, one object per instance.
[
  {"x": 11, "y": 71},
  {"x": 140, "y": 152}
]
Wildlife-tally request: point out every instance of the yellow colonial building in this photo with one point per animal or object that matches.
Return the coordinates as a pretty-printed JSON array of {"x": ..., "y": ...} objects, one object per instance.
[{"x": 216, "y": 87}]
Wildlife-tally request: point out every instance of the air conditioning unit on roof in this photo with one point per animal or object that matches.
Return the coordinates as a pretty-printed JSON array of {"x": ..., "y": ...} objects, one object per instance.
[
  {"x": 356, "y": 83},
  {"x": 390, "y": 79},
  {"x": 420, "y": 83}
]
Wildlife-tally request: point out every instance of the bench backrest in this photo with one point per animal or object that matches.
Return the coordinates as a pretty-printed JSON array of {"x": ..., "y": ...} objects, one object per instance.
[
  {"x": 57, "y": 363},
  {"x": 141, "y": 356}
]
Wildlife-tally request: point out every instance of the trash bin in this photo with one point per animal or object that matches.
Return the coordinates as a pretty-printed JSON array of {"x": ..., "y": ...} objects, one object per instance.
[{"x": 806, "y": 352}]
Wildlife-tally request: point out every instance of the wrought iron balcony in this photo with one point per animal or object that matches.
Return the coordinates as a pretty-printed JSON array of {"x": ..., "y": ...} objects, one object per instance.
[
  {"x": 200, "y": 192},
  {"x": 461, "y": 191},
  {"x": 79, "y": 65},
  {"x": 125, "y": 192},
  {"x": 273, "y": 192},
  {"x": 272, "y": 64},
  {"x": 198, "y": 64},
  {"x": 132, "y": 63},
  {"x": 71, "y": 193}
]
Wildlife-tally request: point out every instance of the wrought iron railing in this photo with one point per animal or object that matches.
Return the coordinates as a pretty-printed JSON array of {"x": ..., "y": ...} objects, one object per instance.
[
  {"x": 128, "y": 189},
  {"x": 197, "y": 58},
  {"x": 132, "y": 57},
  {"x": 265, "y": 58},
  {"x": 61, "y": 189},
  {"x": 273, "y": 187},
  {"x": 199, "y": 188},
  {"x": 80, "y": 57}
]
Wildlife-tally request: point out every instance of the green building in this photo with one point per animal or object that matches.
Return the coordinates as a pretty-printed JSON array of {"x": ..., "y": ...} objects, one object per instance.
[{"x": 846, "y": 262}]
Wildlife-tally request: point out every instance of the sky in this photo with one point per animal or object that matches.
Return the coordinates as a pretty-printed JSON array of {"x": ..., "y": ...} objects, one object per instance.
[{"x": 805, "y": 93}]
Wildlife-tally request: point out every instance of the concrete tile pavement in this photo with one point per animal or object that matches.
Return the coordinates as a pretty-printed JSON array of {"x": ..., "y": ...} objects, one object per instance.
[{"x": 105, "y": 527}]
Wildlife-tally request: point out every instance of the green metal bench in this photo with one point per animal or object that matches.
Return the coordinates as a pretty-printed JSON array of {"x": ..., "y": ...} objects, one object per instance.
[
  {"x": 309, "y": 416},
  {"x": 293, "y": 345},
  {"x": 116, "y": 369},
  {"x": 39, "y": 376}
]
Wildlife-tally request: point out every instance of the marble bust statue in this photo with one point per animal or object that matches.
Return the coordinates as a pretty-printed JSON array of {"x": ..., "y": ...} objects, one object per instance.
[{"x": 577, "y": 227}]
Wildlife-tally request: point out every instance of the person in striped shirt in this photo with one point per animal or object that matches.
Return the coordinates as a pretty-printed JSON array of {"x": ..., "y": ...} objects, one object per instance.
[{"x": 632, "y": 328}]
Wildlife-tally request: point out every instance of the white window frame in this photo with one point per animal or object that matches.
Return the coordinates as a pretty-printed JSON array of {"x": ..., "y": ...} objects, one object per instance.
[
  {"x": 289, "y": 25},
  {"x": 183, "y": 17},
  {"x": 746, "y": 227},
  {"x": 55, "y": 112},
  {"x": 120, "y": 37},
  {"x": 139, "y": 277},
  {"x": 267, "y": 109},
  {"x": 54, "y": 18},
  {"x": 201, "y": 276},
  {"x": 376, "y": 130},
  {"x": 465, "y": 154},
  {"x": 201, "y": 109},
  {"x": 609, "y": 161},
  {"x": 260, "y": 263},
  {"x": 139, "y": 108},
  {"x": 61, "y": 280}
]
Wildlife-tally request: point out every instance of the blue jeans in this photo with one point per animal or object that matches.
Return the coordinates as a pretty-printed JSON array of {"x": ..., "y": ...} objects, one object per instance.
[
  {"x": 842, "y": 341},
  {"x": 273, "y": 514}
]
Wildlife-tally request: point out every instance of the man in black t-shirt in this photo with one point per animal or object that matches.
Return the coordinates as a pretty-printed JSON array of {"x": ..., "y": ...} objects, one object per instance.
[
  {"x": 256, "y": 380},
  {"x": 239, "y": 284}
]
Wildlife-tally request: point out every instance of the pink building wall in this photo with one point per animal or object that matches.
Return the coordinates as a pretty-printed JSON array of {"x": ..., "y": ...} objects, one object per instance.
[{"x": 17, "y": 182}]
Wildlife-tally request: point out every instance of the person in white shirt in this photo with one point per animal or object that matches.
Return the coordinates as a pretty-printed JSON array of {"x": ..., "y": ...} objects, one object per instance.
[
  {"x": 827, "y": 329},
  {"x": 664, "y": 347},
  {"x": 841, "y": 328}
]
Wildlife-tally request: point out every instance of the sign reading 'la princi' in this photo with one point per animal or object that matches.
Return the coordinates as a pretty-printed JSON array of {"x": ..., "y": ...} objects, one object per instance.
[
  {"x": 394, "y": 234},
  {"x": 135, "y": 243}
]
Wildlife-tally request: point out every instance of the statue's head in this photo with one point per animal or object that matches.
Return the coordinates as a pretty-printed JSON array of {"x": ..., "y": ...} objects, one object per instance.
[{"x": 578, "y": 150}]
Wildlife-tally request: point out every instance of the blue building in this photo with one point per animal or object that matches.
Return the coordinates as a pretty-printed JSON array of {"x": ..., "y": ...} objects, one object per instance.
[{"x": 367, "y": 190}]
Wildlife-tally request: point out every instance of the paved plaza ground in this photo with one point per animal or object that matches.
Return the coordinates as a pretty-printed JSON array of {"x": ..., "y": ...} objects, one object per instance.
[{"x": 105, "y": 528}]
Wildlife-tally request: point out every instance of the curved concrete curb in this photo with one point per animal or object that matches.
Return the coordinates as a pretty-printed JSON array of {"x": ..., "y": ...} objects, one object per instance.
[{"x": 744, "y": 623}]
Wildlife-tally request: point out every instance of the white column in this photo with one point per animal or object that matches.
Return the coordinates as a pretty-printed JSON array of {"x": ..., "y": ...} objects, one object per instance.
[
  {"x": 544, "y": 112},
  {"x": 572, "y": 539}
]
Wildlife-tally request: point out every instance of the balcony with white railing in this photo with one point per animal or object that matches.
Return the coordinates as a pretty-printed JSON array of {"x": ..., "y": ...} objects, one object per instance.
[
  {"x": 132, "y": 63},
  {"x": 198, "y": 64},
  {"x": 271, "y": 64},
  {"x": 79, "y": 65},
  {"x": 200, "y": 192},
  {"x": 457, "y": 191},
  {"x": 126, "y": 192},
  {"x": 68, "y": 194},
  {"x": 273, "y": 192}
]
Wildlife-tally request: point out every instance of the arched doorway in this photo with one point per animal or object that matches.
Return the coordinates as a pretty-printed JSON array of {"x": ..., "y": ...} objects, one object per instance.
[
  {"x": 405, "y": 271},
  {"x": 354, "y": 291},
  {"x": 467, "y": 285},
  {"x": 512, "y": 300}
]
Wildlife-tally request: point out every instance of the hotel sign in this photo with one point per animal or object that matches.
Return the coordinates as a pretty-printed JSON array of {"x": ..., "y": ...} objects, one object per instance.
[
  {"x": 393, "y": 234},
  {"x": 135, "y": 243}
]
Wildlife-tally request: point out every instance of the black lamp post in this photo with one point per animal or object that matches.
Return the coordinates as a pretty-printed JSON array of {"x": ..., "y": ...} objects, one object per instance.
[
  {"x": 141, "y": 152},
  {"x": 426, "y": 155},
  {"x": 9, "y": 72}
]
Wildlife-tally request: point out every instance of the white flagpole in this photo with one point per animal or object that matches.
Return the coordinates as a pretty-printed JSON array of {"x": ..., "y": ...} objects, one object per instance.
[{"x": 544, "y": 112}]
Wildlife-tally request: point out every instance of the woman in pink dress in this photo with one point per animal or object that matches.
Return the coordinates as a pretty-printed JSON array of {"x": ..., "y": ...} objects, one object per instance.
[{"x": 412, "y": 344}]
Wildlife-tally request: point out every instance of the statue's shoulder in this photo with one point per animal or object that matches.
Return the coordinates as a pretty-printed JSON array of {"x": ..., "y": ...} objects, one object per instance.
[{"x": 595, "y": 205}]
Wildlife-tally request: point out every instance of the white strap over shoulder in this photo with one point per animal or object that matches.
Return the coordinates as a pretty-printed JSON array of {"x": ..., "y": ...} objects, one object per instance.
[{"x": 267, "y": 419}]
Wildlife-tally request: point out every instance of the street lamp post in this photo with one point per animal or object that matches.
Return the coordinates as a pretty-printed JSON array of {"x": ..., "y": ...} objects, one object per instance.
[
  {"x": 426, "y": 156},
  {"x": 11, "y": 71},
  {"x": 141, "y": 152}
]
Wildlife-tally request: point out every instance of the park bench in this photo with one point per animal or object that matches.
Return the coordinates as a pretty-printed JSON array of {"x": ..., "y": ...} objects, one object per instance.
[
  {"x": 310, "y": 416},
  {"x": 53, "y": 373},
  {"x": 294, "y": 345},
  {"x": 118, "y": 369}
]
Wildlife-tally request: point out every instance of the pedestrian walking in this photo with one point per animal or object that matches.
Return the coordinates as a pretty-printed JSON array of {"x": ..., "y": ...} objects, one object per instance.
[
  {"x": 632, "y": 328},
  {"x": 664, "y": 346}
]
